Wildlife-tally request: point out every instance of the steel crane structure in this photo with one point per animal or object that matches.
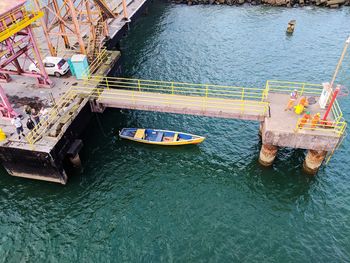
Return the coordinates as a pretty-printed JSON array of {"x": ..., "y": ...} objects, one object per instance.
[
  {"x": 17, "y": 43},
  {"x": 76, "y": 25}
]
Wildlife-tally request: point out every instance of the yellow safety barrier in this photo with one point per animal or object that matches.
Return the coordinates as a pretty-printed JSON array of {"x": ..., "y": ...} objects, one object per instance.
[
  {"x": 206, "y": 90},
  {"x": 336, "y": 111},
  {"x": 11, "y": 24},
  {"x": 337, "y": 127},
  {"x": 303, "y": 88},
  {"x": 100, "y": 58},
  {"x": 239, "y": 98},
  {"x": 242, "y": 106},
  {"x": 53, "y": 116}
]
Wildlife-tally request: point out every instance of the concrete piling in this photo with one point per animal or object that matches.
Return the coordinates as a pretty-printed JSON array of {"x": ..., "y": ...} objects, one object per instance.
[
  {"x": 313, "y": 161},
  {"x": 267, "y": 154},
  {"x": 76, "y": 162},
  {"x": 261, "y": 126}
]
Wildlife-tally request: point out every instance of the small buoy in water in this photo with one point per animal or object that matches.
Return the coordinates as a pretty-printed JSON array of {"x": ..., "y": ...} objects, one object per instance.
[
  {"x": 291, "y": 26},
  {"x": 2, "y": 135}
]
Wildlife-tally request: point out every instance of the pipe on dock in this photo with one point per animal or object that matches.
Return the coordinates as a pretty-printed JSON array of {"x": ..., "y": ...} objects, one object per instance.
[
  {"x": 313, "y": 161},
  {"x": 267, "y": 154}
]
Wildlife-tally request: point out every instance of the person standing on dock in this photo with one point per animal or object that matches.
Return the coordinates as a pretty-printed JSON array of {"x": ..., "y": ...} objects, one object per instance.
[
  {"x": 28, "y": 110},
  {"x": 292, "y": 99},
  {"x": 35, "y": 116},
  {"x": 16, "y": 121},
  {"x": 44, "y": 114},
  {"x": 315, "y": 120},
  {"x": 304, "y": 120}
]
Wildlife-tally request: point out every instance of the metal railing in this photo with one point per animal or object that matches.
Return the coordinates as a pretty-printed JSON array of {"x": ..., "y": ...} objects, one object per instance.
[
  {"x": 100, "y": 58},
  {"x": 337, "y": 127},
  {"x": 16, "y": 21},
  {"x": 234, "y": 98},
  {"x": 179, "y": 88},
  {"x": 303, "y": 88},
  {"x": 60, "y": 108},
  {"x": 204, "y": 103}
]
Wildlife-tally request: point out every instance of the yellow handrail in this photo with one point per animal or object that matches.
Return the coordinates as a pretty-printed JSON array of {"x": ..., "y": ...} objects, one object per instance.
[
  {"x": 13, "y": 23},
  {"x": 177, "y": 88},
  {"x": 287, "y": 87},
  {"x": 337, "y": 127},
  {"x": 95, "y": 64},
  {"x": 39, "y": 130}
]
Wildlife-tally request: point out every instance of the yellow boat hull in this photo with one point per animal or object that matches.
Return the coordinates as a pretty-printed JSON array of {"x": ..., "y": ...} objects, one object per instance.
[
  {"x": 178, "y": 138},
  {"x": 194, "y": 141}
]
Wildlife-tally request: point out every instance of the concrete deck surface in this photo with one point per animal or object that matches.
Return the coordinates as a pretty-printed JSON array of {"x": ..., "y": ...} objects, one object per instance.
[
  {"x": 22, "y": 91},
  {"x": 195, "y": 105},
  {"x": 279, "y": 129}
]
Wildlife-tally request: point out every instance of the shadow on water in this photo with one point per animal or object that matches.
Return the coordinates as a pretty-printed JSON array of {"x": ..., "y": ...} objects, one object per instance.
[{"x": 284, "y": 181}]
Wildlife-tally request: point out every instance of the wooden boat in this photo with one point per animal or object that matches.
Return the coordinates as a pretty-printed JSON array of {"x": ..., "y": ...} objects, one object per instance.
[
  {"x": 291, "y": 26},
  {"x": 160, "y": 137}
]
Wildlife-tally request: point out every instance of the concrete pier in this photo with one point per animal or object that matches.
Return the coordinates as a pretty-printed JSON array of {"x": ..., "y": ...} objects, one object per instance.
[
  {"x": 313, "y": 161},
  {"x": 47, "y": 158},
  {"x": 267, "y": 154}
]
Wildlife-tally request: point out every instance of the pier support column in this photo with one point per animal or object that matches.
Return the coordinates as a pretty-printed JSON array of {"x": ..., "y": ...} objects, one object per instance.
[
  {"x": 267, "y": 154},
  {"x": 261, "y": 125},
  {"x": 75, "y": 161},
  {"x": 313, "y": 161},
  {"x": 96, "y": 107}
]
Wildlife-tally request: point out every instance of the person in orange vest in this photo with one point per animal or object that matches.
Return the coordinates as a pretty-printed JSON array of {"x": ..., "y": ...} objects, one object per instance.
[
  {"x": 292, "y": 99},
  {"x": 315, "y": 120},
  {"x": 304, "y": 120},
  {"x": 303, "y": 101}
]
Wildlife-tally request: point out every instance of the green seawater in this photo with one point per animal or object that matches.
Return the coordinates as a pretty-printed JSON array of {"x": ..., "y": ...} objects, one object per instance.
[{"x": 205, "y": 203}]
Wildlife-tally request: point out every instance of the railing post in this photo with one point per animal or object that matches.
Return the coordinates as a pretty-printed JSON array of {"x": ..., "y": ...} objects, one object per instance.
[
  {"x": 139, "y": 84},
  {"x": 302, "y": 89},
  {"x": 297, "y": 126},
  {"x": 107, "y": 83},
  {"x": 242, "y": 100},
  {"x": 265, "y": 91},
  {"x": 205, "y": 98},
  {"x": 172, "y": 88}
]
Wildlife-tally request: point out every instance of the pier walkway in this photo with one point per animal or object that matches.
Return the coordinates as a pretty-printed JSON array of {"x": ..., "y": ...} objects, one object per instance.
[{"x": 173, "y": 97}]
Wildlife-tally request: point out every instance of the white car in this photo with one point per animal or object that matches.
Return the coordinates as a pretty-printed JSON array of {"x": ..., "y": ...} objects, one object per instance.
[{"x": 53, "y": 65}]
